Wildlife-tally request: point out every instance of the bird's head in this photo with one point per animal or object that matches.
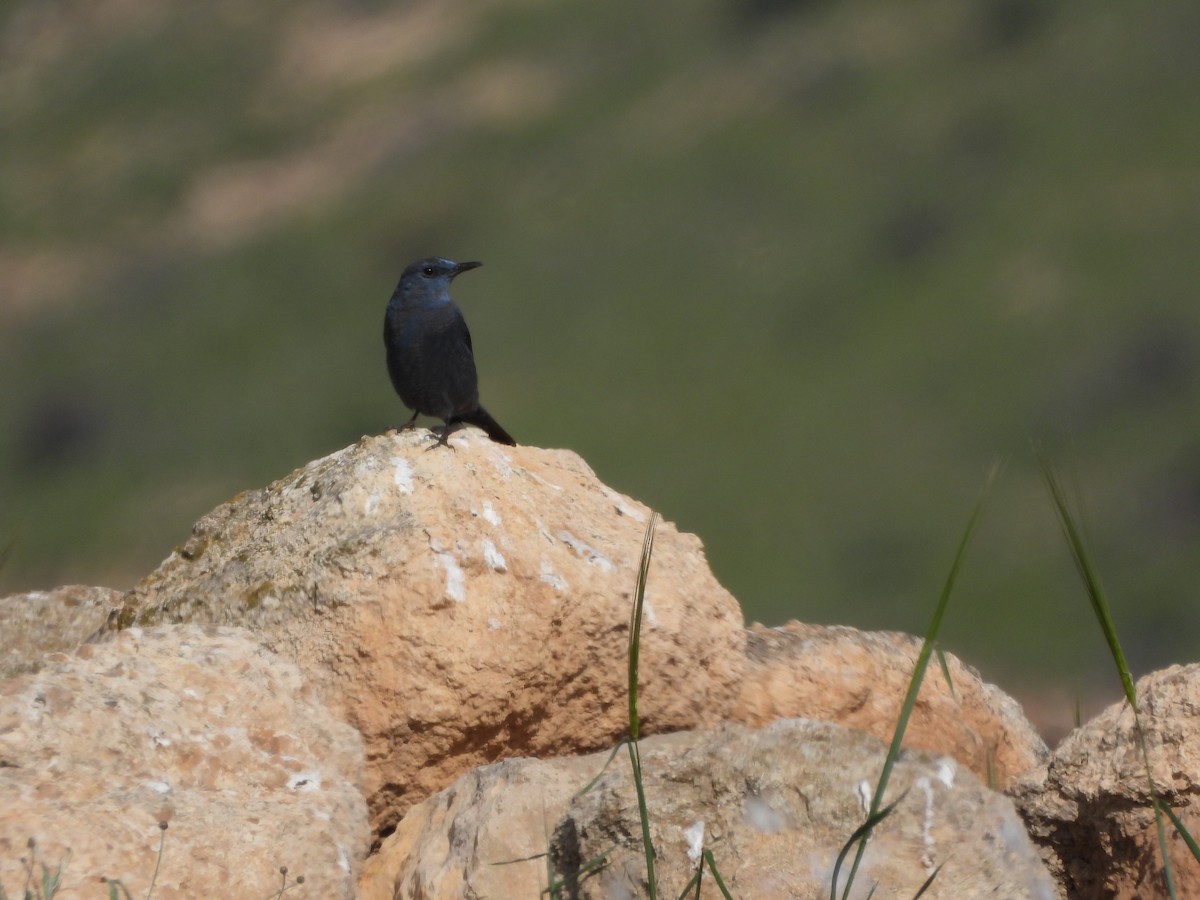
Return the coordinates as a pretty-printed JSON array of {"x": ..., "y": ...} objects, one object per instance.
[{"x": 431, "y": 277}]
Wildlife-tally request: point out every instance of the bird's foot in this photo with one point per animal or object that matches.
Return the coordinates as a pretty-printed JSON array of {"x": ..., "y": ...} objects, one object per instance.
[
  {"x": 443, "y": 438},
  {"x": 407, "y": 426}
]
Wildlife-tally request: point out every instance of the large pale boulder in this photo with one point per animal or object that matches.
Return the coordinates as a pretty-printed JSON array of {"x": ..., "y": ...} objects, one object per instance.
[
  {"x": 859, "y": 679},
  {"x": 458, "y": 606},
  {"x": 197, "y": 727},
  {"x": 1090, "y": 809},
  {"x": 775, "y": 807},
  {"x": 36, "y": 623}
]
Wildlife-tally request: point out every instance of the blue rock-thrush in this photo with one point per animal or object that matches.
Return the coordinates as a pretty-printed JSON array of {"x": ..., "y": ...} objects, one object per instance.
[{"x": 429, "y": 355}]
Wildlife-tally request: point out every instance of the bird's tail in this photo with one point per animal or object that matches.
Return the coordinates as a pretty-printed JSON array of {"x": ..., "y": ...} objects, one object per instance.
[{"x": 484, "y": 420}]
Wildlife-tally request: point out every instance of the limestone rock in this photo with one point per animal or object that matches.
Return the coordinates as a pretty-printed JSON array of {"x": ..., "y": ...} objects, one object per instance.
[
  {"x": 458, "y": 606},
  {"x": 39, "y": 622},
  {"x": 775, "y": 806},
  {"x": 449, "y": 844},
  {"x": 1090, "y": 809},
  {"x": 198, "y": 727},
  {"x": 859, "y": 679}
]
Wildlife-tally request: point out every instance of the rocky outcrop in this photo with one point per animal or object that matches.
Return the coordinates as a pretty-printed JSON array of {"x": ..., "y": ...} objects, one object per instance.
[
  {"x": 36, "y": 623},
  {"x": 775, "y": 806},
  {"x": 458, "y": 606},
  {"x": 470, "y": 605},
  {"x": 1091, "y": 808},
  {"x": 859, "y": 679},
  {"x": 196, "y": 727}
]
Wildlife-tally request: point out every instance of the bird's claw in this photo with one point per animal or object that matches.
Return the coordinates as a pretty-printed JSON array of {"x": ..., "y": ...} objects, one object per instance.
[{"x": 443, "y": 439}]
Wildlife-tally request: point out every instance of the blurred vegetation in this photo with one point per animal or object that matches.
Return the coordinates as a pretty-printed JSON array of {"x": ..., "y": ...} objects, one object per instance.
[{"x": 794, "y": 273}]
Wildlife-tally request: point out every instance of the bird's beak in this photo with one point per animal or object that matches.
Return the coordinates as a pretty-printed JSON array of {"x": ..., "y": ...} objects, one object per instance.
[{"x": 463, "y": 266}]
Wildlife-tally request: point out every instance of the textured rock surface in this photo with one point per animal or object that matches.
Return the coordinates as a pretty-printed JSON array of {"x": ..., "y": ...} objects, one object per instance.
[
  {"x": 198, "y": 727},
  {"x": 459, "y": 606},
  {"x": 1090, "y": 810},
  {"x": 775, "y": 806},
  {"x": 859, "y": 679},
  {"x": 40, "y": 622},
  {"x": 447, "y": 845}
]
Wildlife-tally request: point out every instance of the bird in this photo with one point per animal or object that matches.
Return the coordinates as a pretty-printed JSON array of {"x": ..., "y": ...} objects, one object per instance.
[{"x": 429, "y": 354}]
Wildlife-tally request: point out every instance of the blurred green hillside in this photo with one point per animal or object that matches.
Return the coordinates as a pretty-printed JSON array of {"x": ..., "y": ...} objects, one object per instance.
[{"x": 794, "y": 273}]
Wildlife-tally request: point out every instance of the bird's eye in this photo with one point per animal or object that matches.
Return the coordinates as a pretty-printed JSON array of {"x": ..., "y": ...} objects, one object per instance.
[{"x": 429, "y": 271}]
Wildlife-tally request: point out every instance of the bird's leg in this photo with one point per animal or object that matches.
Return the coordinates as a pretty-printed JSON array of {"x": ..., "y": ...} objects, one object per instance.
[
  {"x": 400, "y": 429},
  {"x": 410, "y": 423},
  {"x": 444, "y": 438}
]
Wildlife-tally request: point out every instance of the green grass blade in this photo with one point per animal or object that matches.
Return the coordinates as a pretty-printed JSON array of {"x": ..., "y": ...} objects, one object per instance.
[
  {"x": 928, "y": 882},
  {"x": 717, "y": 879},
  {"x": 635, "y": 643},
  {"x": 945, "y": 667},
  {"x": 635, "y": 622},
  {"x": 1163, "y": 847},
  {"x": 1095, "y": 592},
  {"x": 693, "y": 885},
  {"x": 696, "y": 882},
  {"x": 1182, "y": 829},
  {"x": 513, "y": 862},
  {"x": 1087, "y": 573},
  {"x": 591, "y": 867},
  {"x": 162, "y": 842},
  {"x": 918, "y": 675},
  {"x": 857, "y": 837},
  {"x": 51, "y": 883},
  {"x": 591, "y": 784},
  {"x": 643, "y": 814},
  {"x": 546, "y": 843}
]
